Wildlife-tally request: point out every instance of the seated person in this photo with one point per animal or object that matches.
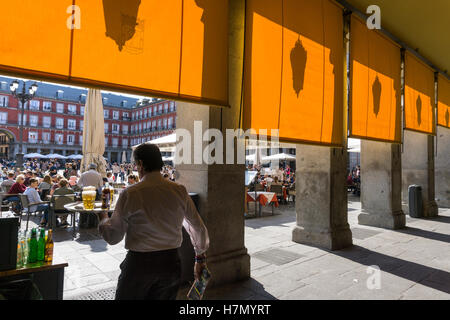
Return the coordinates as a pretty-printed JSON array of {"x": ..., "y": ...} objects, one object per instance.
[
  {"x": 7, "y": 184},
  {"x": 61, "y": 191},
  {"x": 17, "y": 188},
  {"x": 109, "y": 177},
  {"x": 276, "y": 182},
  {"x": 56, "y": 179},
  {"x": 132, "y": 179},
  {"x": 45, "y": 186},
  {"x": 33, "y": 197}
]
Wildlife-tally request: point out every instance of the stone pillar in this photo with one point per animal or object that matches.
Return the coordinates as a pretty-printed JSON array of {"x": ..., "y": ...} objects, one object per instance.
[
  {"x": 381, "y": 185},
  {"x": 442, "y": 167},
  {"x": 418, "y": 168},
  {"x": 220, "y": 187},
  {"x": 321, "y": 198}
]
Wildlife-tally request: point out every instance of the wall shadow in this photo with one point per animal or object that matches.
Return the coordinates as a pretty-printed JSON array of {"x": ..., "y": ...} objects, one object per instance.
[
  {"x": 376, "y": 92},
  {"x": 427, "y": 276},
  {"x": 121, "y": 20},
  {"x": 298, "y": 58},
  {"x": 419, "y": 110}
]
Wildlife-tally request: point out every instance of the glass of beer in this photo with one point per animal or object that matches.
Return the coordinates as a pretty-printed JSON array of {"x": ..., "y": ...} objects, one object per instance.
[{"x": 88, "y": 199}]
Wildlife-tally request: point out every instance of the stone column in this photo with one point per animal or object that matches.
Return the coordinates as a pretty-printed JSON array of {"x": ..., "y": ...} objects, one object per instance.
[
  {"x": 220, "y": 186},
  {"x": 321, "y": 198},
  {"x": 442, "y": 167},
  {"x": 418, "y": 168},
  {"x": 381, "y": 185}
]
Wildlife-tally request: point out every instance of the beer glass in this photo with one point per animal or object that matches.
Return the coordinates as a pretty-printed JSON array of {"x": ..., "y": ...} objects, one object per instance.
[{"x": 88, "y": 199}]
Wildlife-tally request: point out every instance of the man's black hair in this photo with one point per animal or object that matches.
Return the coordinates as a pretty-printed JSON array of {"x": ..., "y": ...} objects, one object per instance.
[{"x": 150, "y": 156}]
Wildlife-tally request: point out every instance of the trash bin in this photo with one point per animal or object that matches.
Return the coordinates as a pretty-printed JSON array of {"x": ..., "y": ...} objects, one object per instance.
[
  {"x": 186, "y": 251},
  {"x": 415, "y": 201}
]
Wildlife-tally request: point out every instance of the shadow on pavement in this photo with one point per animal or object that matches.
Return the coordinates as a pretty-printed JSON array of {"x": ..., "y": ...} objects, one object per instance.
[{"x": 427, "y": 276}]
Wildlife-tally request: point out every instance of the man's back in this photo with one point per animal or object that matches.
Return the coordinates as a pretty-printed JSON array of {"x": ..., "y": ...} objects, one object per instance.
[{"x": 90, "y": 178}]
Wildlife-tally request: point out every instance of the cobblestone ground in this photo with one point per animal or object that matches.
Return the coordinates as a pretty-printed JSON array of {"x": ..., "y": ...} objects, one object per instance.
[{"x": 414, "y": 262}]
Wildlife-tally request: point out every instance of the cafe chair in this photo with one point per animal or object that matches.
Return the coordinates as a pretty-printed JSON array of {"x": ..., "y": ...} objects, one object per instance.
[
  {"x": 44, "y": 193},
  {"x": 26, "y": 207},
  {"x": 259, "y": 187},
  {"x": 278, "y": 190},
  {"x": 57, "y": 204},
  {"x": 291, "y": 194}
]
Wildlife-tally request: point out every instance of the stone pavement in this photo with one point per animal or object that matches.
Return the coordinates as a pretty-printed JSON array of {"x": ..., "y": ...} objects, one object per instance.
[{"x": 414, "y": 262}]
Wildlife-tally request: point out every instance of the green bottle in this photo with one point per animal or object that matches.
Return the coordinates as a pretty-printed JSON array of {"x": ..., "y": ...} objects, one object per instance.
[
  {"x": 41, "y": 246},
  {"x": 33, "y": 248}
]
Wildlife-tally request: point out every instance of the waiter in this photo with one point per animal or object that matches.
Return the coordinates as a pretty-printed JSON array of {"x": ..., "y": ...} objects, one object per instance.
[{"x": 151, "y": 214}]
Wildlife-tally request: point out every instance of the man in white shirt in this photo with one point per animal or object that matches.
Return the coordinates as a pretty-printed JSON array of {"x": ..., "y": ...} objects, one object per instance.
[
  {"x": 91, "y": 178},
  {"x": 151, "y": 214}
]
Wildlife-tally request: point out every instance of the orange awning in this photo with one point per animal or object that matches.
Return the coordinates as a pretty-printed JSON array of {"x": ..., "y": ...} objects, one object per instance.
[
  {"x": 419, "y": 96},
  {"x": 172, "y": 49},
  {"x": 375, "y": 107},
  {"x": 443, "y": 102},
  {"x": 293, "y": 77}
]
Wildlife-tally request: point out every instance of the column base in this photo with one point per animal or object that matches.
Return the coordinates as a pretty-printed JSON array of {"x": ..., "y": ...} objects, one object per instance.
[
  {"x": 431, "y": 209},
  {"x": 387, "y": 220},
  {"x": 329, "y": 239},
  {"x": 229, "y": 267}
]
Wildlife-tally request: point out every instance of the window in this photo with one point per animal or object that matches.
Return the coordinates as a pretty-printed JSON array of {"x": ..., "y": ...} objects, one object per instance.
[
  {"x": 165, "y": 123},
  {"x": 81, "y": 124},
  {"x": 47, "y": 122},
  {"x": 166, "y": 107},
  {"x": 106, "y": 127},
  {"x": 60, "y": 107},
  {"x": 115, "y": 142},
  {"x": 159, "y": 124},
  {"x": 172, "y": 106},
  {"x": 4, "y": 101},
  {"x": 154, "y": 110},
  {"x": 132, "y": 116},
  {"x": 140, "y": 114},
  {"x": 4, "y": 85},
  {"x": 82, "y": 111},
  {"x": 32, "y": 137},
  {"x": 25, "y": 107},
  {"x": 59, "y": 94},
  {"x": 47, "y": 106},
  {"x": 34, "y": 120},
  {"x": 145, "y": 126},
  {"x": 3, "y": 117},
  {"x": 140, "y": 127},
  {"x": 72, "y": 109},
  {"x": 160, "y": 108},
  {"x": 72, "y": 124},
  {"x": 24, "y": 119},
  {"x": 154, "y": 124},
  {"x": 46, "y": 137},
  {"x": 125, "y": 143},
  {"x": 70, "y": 139},
  {"x": 59, "y": 138},
  {"x": 34, "y": 105},
  {"x": 59, "y": 123},
  {"x": 125, "y": 129},
  {"x": 106, "y": 141},
  {"x": 149, "y": 112},
  {"x": 145, "y": 113},
  {"x": 125, "y": 116},
  {"x": 115, "y": 128},
  {"x": 116, "y": 115},
  {"x": 106, "y": 114},
  {"x": 81, "y": 139},
  {"x": 170, "y": 123}
]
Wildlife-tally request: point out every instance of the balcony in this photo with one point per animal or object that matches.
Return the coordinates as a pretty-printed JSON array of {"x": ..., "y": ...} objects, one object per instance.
[{"x": 126, "y": 118}]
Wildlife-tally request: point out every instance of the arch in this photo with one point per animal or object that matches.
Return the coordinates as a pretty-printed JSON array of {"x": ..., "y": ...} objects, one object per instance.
[{"x": 9, "y": 134}]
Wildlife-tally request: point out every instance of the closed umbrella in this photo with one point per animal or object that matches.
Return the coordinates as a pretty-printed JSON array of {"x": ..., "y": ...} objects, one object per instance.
[
  {"x": 94, "y": 133},
  {"x": 124, "y": 156}
]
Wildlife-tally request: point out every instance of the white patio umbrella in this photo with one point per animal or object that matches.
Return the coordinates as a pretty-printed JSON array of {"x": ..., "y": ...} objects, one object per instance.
[
  {"x": 75, "y": 156},
  {"x": 279, "y": 156},
  {"x": 94, "y": 133},
  {"x": 34, "y": 156},
  {"x": 55, "y": 156}
]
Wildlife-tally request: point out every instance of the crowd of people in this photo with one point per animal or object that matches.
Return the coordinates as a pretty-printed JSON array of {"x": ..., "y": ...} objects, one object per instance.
[
  {"x": 43, "y": 178},
  {"x": 283, "y": 176}
]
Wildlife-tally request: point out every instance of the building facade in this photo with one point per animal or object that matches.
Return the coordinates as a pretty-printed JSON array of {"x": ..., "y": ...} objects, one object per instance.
[{"x": 53, "y": 121}]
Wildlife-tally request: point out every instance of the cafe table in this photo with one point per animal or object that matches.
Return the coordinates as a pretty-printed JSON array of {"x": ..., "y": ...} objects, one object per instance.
[
  {"x": 263, "y": 198},
  {"x": 79, "y": 208}
]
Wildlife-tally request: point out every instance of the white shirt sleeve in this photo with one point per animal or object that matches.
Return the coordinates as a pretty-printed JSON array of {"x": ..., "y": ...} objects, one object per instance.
[
  {"x": 195, "y": 227},
  {"x": 113, "y": 229}
]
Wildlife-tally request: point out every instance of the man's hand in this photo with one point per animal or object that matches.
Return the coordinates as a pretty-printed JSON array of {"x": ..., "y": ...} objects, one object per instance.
[{"x": 198, "y": 268}]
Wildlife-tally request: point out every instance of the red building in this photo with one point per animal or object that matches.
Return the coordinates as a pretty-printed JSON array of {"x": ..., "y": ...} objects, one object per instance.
[{"x": 53, "y": 121}]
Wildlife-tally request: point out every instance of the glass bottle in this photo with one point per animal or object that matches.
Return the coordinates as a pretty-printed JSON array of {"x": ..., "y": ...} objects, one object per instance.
[
  {"x": 41, "y": 246},
  {"x": 49, "y": 247},
  {"x": 33, "y": 247}
]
